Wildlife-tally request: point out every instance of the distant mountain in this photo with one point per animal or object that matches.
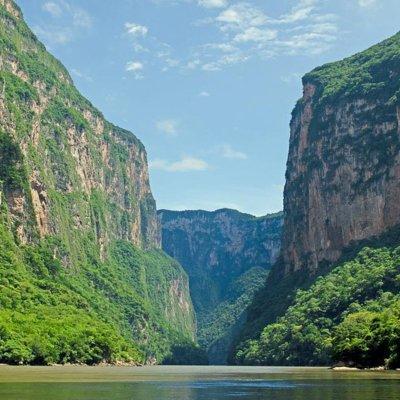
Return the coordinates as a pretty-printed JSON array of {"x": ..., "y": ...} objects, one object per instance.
[
  {"x": 226, "y": 255},
  {"x": 82, "y": 276},
  {"x": 342, "y": 192}
]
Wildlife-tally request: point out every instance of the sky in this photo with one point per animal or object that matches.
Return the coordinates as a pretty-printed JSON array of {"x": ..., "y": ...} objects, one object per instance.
[{"x": 207, "y": 85}]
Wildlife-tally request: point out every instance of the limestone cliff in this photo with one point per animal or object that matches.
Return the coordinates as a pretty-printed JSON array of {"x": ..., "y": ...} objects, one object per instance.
[
  {"x": 342, "y": 178},
  {"x": 76, "y": 184},
  {"x": 226, "y": 255},
  {"x": 343, "y": 169}
]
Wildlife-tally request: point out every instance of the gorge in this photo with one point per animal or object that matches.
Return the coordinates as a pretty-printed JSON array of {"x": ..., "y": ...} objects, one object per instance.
[
  {"x": 91, "y": 272},
  {"x": 227, "y": 255}
]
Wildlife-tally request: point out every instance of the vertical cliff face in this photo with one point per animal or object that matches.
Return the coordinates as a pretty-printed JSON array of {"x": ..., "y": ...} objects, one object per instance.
[
  {"x": 343, "y": 167},
  {"x": 342, "y": 189},
  {"x": 67, "y": 147},
  {"x": 226, "y": 255},
  {"x": 74, "y": 183}
]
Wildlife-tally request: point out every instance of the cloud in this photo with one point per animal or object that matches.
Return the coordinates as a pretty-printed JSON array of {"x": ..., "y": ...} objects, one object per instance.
[
  {"x": 168, "y": 126},
  {"x": 240, "y": 15},
  {"x": 227, "y": 151},
  {"x": 212, "y": 3},
  {"x": 184, "y": 165},
  {"x": 135, "y": 67},
  {"x": 225, "y": 60},
  {"x": 244, "y": 31},
  {"x": 248, "y": 32},
  {"x": 204, "y": 94},
  {"x": 161, "y": 53},
  {"x": 300, "y": 12},
  {"x": 136, "y": 30},
  {"x": 52, "y": 8},
  {"x": 254, "y": 34}
]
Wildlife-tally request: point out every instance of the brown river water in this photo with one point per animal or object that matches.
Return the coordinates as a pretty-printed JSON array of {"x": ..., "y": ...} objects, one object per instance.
[{"x": 195, "y": 383}]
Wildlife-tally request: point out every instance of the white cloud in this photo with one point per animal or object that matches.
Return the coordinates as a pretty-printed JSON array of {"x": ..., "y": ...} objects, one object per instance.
[
  {"x": 248, "y": 32},
  {"x": 366, "y": 3},
  {"x": 136, "y": 30},
  {"x": 223, "y": 47},
  {"x": 184, "y": 165},
  {"x": 241, "y": 15},
  {"x": 52, "y": 8},
  {"x": 213, "y": 3},
  {"x": 135, "y": 67},
  {"x": 227, "y": 151},
  {"x": 204, "y": 94},
  {"x": 254, "y": 34},
  {"x": 224, "y": 61},
  {"x": 300, "y": 12},
  {"x": 168, "y": 126}
]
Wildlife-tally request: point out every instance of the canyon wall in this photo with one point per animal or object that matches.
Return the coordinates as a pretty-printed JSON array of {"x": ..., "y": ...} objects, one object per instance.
[
  {"x": 77, "y": 185},
  {"x": 343, "y": 169}
]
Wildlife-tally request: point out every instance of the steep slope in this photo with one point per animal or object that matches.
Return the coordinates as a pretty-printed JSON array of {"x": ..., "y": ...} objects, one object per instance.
[
  {"x": 226, "y": 255},
  {"x": 343, "y": 165},
  {"x": 342, "y": 175},
  {"x": 80, "y": 234}
]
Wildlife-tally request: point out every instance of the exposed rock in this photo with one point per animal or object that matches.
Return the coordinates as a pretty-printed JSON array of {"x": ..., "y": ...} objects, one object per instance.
[{"x": 343, "y": 166}]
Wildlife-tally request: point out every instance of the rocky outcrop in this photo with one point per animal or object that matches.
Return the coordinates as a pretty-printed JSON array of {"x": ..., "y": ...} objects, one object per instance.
[
  {"x": 226, "y": 255},
  {"x": 343, "y": 166}
]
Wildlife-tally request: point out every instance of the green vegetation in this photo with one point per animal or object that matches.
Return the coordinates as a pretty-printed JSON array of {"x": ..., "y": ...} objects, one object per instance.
[
  {"x": 186, "y": 354},
  {"x": 73, "y": 287},
  {"x": 368, "y": 74},
  {"x": 53, "y": 315},
  {"x": 350, "y": 315},
  {"x": 12, "y": 172},
  {"x": 218, "y": 323}
]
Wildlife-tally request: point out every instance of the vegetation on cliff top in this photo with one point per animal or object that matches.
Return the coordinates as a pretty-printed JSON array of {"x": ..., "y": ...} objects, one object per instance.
[{"x": 372, "y": 71}]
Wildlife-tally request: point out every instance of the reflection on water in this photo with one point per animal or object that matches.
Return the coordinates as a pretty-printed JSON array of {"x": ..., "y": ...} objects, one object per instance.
[{"x": 195, "y": 383}]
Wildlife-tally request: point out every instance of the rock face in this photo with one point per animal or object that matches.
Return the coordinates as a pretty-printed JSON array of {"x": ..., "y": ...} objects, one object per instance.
[
  {"x": 218, "y": 250},
  {"x": 70, "y": 175},
  {"x": 342, "y": 178},
  {"x": 343, "y": 167}
]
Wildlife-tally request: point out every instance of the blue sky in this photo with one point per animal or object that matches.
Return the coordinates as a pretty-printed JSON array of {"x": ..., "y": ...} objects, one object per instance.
[{"x": 207, "y": 85}]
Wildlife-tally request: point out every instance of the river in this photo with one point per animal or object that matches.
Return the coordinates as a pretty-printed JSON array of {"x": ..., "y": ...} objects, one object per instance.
[{"x": 195, "y": 383}]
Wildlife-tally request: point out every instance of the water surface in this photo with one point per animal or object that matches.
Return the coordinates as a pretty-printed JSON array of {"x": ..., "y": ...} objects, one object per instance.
[{"x": 195, "y": 383}]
